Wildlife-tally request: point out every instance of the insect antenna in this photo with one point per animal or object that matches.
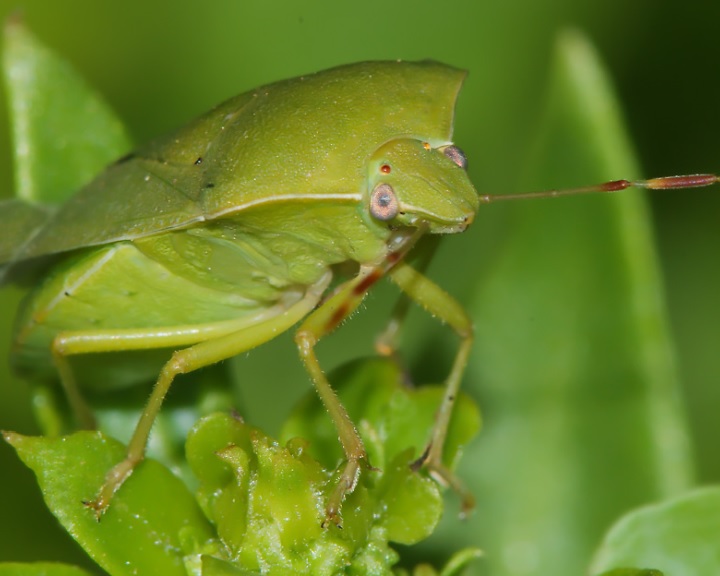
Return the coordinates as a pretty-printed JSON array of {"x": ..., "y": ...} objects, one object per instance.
[{"x": 664, "y": 183}]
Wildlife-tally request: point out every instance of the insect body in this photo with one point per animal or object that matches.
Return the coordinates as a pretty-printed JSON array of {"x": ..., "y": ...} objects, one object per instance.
[{"x": 216, "y": 239}]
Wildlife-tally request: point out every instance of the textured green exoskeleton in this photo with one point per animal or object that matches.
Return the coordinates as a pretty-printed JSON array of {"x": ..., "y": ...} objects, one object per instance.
[{"x": 223, "y": 235}]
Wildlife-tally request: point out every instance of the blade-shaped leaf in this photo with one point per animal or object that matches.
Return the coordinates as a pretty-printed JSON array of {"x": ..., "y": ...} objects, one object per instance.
[
  {"x": 573, "y": 363},
  {"x": 152, "y": 524},
  {"x": 680, "y": 536},
  {"x": 632, "y": 572},
  {"x": 41, "y": 569},
  {"x": 64, "y": 132}
]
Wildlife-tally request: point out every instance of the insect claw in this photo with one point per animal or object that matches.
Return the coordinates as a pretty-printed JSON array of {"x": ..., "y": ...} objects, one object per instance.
[
  {"x": 331, "y": 518},
  {"x": 422, "y": 460},
  {"x": 235, "y": 415},
  {"x": 446, "y": 478},
  {"x": 346, "y": 484},
  {"x": 114, "y": 479},
  {"x": 97, "y": 508},
  {"x": 467, "y": 506}
]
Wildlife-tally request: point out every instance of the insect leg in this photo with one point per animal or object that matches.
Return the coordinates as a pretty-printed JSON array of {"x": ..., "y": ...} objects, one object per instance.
[
  {"x": 83, "y": 414},
  {"x": 212, "y": 343},
  {"x": 321, "y": 322},
  {"x": 386, "y": 343},
  {"x": 444, "y": 307}
]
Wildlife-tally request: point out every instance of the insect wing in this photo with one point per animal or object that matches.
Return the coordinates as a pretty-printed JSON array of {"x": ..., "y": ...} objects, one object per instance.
[
  {"x": 21, "y": 221},
  {"x": 128, "y": 200},
  {"x": 152, "y": 190},
  {"x": 299, "y": 138}
]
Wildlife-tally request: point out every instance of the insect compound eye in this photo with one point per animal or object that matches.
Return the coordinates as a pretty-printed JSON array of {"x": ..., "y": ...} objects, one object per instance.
[
  {"x": 456, "y": 155},
  {"x": 383, "y": 202}
]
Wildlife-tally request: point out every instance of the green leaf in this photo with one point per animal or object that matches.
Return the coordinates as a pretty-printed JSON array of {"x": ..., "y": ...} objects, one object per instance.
[
  {"x": 680, "y": 536},
  {"x": 455, "y": 565},
  {"x": 194, "y": 395},
  {"x": 459, "y": 561},
  {"x": 573, "y": 359},
  {"x": 268, "y": 500},
  {"x": 391, "y": 417},
  {"x": 41, "y": 569},
  {"x": 153, "y": 524},
  {"x": 632, "y": 572},
  {"x": 64, "y": 132},
  {"x": 212, "y": 566}
]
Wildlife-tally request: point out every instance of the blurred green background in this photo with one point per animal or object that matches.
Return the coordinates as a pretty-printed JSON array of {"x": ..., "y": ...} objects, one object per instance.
[{"x": 160, "y": 64}]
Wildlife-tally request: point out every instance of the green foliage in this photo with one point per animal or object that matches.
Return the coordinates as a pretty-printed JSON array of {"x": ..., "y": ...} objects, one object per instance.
[
  {"x": 581, "y": 397},
  {"x": 574, "y": 352},
  {"x": 60, "y": 142},
  {"x": 261, "y": 504},
  {"x": 267, "y": 501},
  {"x": 41, "y": 569},
  {"x": 402, "y": 417},
  {"x": 632, "y": 572},
  {"x": 679, "y": 535},
  {"x": 155, "y": 523}
]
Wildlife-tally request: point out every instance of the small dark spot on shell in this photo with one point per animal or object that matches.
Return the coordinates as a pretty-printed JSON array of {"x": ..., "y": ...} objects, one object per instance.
[{"x": 198, "y": 161}]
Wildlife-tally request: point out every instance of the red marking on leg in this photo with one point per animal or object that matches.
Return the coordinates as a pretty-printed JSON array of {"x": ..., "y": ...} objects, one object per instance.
[
  {"x": 367, "y": 282},
  {"x": 393, "y": 257},
  {"x": 337, "y": 317}
]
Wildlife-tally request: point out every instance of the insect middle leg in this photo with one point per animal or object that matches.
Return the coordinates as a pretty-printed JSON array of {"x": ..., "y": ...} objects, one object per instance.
[
  {"x": 444, "y": 307},
  {"x": 386, "y": 344},
  {"x": 322, "y": 321}
]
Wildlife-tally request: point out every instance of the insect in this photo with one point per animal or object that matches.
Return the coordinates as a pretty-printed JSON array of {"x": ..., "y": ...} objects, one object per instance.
[{"x": 219, "y": 237}]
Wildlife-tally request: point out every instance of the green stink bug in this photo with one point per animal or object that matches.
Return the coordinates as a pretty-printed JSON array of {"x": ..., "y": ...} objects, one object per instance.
[{"x": 219, "y": 237}]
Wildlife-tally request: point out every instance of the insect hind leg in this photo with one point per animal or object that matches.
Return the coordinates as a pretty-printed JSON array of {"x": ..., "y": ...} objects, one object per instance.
[
  {"x": 81, "y": 410},
  {"x": 201, "y": 345}
]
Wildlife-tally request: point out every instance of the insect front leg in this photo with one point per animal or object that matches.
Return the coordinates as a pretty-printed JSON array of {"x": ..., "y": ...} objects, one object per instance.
[
  {"x": 322, "y": 321},
  {"x": 444, "y": 307}
]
